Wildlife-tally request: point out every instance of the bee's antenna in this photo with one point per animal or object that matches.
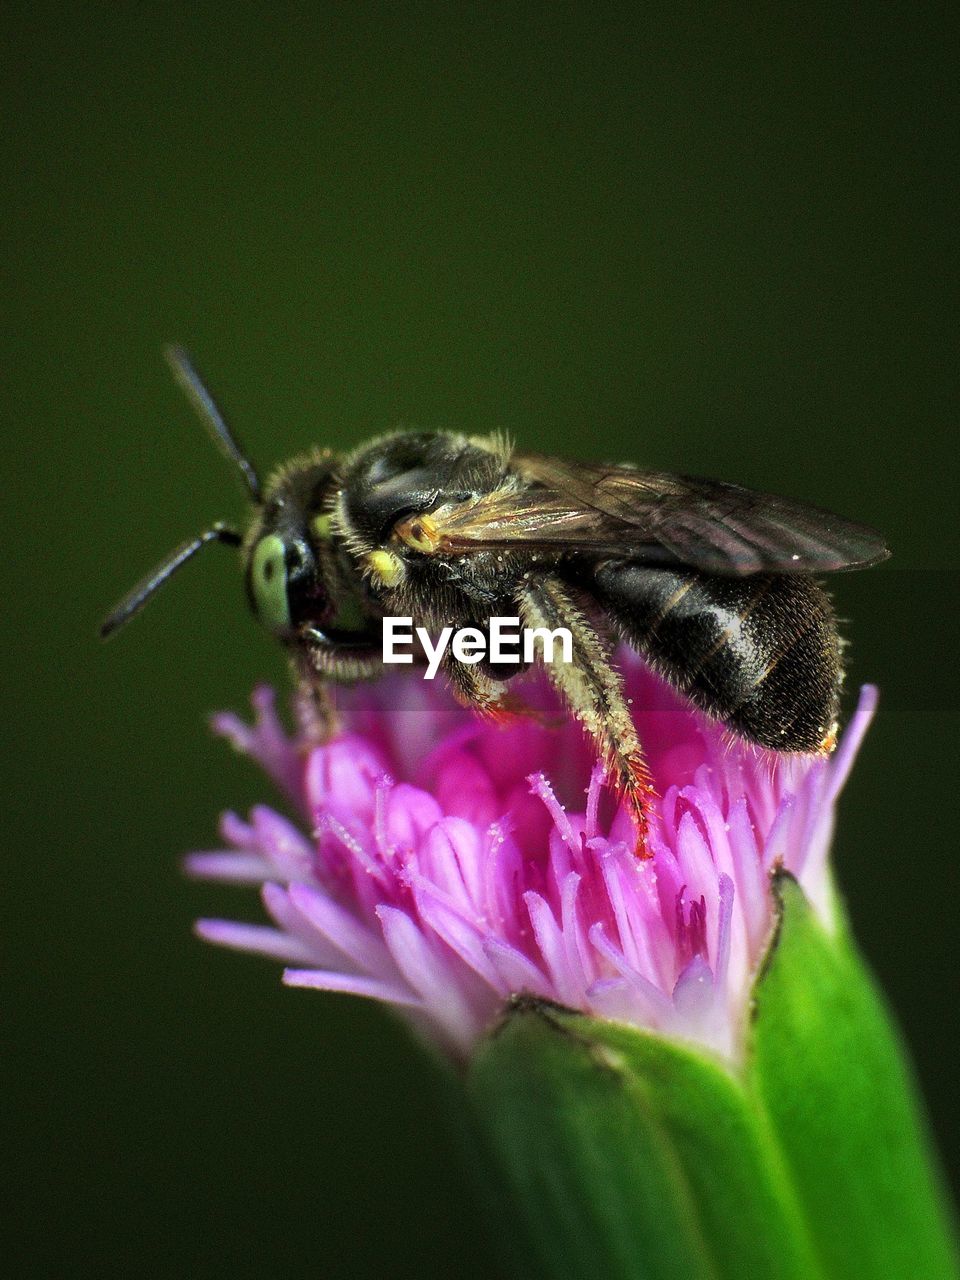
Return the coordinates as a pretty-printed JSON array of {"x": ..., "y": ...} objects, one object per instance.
[
  {"x": 134, "y": 600},
  {"x": 189, "y": 379}
]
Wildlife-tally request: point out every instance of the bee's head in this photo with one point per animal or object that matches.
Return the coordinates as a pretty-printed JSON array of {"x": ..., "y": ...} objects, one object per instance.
[
  {"x": 286, "y": 548},
  {"x": 287, "y": 565}
]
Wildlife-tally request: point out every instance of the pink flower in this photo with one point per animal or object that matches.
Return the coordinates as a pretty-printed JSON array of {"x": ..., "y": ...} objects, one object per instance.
[{"x": 451, "y": 863}]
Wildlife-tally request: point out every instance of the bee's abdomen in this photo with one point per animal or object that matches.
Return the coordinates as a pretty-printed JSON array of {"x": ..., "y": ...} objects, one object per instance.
[{"x": 760, "y": 652}]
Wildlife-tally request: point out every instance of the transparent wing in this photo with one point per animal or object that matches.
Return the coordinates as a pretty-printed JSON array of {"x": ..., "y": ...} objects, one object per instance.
[{"x": 607, "y": 510}]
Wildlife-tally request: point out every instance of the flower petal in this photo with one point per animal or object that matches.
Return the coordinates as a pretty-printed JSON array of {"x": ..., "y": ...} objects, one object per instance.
[{"x": 469, "y": 880}]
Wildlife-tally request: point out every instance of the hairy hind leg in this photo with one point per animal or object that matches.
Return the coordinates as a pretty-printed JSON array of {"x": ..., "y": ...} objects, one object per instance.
[{"x": 593, "y": 690}]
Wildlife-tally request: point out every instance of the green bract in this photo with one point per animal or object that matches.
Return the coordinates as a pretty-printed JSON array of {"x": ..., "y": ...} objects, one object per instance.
[{"x": 633, "y": 1156}]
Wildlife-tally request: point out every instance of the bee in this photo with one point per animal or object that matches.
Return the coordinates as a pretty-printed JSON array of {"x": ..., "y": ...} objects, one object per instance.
[{"x": 715, "y": 585}]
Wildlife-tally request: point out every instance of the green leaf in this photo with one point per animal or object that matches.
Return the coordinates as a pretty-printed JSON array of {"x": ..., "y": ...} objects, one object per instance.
[
  {"x": 829, "y": 1073},
  {"x": 633, "y": 1157}
]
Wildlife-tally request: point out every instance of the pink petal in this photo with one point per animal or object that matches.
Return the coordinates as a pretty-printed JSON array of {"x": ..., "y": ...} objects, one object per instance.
[
  {"x": 260, "y": 938},
  {"x": 350, "y": 984}
]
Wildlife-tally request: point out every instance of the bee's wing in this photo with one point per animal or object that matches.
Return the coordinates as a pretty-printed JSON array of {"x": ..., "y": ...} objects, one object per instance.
[{"x": 606, "y": 510}]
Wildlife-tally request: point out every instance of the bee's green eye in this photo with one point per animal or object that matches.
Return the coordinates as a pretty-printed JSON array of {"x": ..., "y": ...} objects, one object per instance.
[{"x": 268, "y": 583}]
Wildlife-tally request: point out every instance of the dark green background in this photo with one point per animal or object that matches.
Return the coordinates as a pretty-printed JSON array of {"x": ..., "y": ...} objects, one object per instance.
[{"x": 709, "y": 238}]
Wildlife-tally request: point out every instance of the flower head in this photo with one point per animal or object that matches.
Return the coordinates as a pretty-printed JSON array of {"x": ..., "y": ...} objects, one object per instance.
[{"x": 441, "y": 863}]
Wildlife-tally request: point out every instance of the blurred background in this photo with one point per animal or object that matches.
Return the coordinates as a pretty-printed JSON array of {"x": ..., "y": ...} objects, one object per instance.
[{"x": 716, "y": 239}]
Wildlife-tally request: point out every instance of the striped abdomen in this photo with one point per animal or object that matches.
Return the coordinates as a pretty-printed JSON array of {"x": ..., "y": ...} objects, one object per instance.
[{"x": 759, "y": 652}]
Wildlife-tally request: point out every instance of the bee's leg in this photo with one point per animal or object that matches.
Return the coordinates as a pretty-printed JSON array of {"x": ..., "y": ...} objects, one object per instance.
[
  {"x": 472, "y": 687},
  {"x": 593, "y": 690},
  {"x": 483, "y": 686},
  {"x": 313, "y": 703},
  {"x": 318, "y": 663}
]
